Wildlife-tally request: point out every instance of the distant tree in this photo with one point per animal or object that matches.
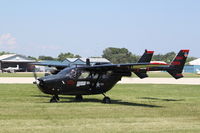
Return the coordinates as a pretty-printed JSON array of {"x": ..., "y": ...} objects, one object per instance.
[
  {"x": 42, "y": 57},
  {"x": 3, "y": 52},
  {"x": 168, "y": 57},
  {"x": 190, "y": 59},
  {"x": 119, "y": 55},
  {"x": 158, "y": 57},
  {"x": 33, "y": 58},
  {"x": 63, "y": 56}
]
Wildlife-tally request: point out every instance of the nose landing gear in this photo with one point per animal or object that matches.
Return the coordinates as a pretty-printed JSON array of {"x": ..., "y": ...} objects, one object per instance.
[
  {"x": 54, "y": 99},
  {"x": 106, "y": 99}
]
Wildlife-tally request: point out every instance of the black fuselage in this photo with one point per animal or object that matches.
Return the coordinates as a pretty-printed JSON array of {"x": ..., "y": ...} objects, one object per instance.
[{"x": 78, "y": 81}]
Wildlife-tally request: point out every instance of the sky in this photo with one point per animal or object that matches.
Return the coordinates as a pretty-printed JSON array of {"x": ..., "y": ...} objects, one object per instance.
[{"x": 87, "y": 27}]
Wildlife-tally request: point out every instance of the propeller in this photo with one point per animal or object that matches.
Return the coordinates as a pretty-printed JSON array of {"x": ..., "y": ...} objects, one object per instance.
[
  {"x": 35, "y": 76},
  {"x": 39, "y": 82}
]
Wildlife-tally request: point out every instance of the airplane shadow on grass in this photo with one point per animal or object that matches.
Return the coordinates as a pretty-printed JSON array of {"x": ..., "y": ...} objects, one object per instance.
[
  {"x": 160, "y": 99},
  {"x": 119, "y": 102}
]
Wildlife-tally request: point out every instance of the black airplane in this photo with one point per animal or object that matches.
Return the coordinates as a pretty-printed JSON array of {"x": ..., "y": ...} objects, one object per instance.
[{"x": 81, "y": 80}]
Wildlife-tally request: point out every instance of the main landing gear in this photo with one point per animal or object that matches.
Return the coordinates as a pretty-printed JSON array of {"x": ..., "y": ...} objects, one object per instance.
[
  {"x": 106, "y": 99},
  {"x": 79, "y": 98},
  {"x": 54, "y": 99}
]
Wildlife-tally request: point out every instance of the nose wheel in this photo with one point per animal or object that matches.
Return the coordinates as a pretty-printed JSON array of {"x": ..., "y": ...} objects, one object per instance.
[
  {"x": 106, "y": 99},
  {"x": 54, "y": 99}
]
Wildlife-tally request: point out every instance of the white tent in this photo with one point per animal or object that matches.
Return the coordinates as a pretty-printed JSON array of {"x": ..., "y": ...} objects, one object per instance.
[{"x": 195, "y": 62}]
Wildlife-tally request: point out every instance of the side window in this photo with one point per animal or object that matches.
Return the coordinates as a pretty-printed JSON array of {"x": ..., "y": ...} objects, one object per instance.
[
  {"x": 95, "y": 76},
  {"x": 84, "y": 75},
  {"x": 107, "y": 74}
]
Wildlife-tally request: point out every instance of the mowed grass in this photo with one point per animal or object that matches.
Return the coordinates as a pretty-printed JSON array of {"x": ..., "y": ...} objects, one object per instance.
[{"x": 134, "y": 109}]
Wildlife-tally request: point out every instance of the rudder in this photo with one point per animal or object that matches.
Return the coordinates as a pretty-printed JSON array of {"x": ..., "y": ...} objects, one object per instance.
[
  {"x": 176, "y": 66},
  {"x": 146, "y": 57}
]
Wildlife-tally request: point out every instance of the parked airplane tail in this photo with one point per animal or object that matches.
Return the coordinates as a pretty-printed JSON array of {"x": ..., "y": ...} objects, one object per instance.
[
  {"x": 146, "y": 57},
  {"x": 176, "y": 66}
]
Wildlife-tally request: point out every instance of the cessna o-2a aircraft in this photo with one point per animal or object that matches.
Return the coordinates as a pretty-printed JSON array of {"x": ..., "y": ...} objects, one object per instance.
[{"x": 98, "y": 79}]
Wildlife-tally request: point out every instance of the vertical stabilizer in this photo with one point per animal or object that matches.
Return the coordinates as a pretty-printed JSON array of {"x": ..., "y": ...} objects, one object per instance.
[
  {"x": 176, "y": 66},
  {"x": 146, "y": 57}
]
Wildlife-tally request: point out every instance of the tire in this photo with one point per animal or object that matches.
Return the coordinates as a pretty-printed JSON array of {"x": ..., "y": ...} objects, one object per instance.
[
  {"x": 53, "y": 100},
  {"x": 106, "y": 100},
  {"x": 79, "y": 98}
]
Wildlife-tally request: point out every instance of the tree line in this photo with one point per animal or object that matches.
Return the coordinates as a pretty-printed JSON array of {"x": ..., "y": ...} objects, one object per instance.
[
  {"x": 61, "y": 57},
  {"x": 115, "y": 55},
  {"x": 122, "y": 55}
]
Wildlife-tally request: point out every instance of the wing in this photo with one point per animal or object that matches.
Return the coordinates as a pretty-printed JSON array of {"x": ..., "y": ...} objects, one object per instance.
[
  {"x": 139, "y": 69},
  {"x": 125, "y": 67},
  {"x": 50, "y": 64}
]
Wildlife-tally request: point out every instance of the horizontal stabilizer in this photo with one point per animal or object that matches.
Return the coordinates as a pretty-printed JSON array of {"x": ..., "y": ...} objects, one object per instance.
[
  {"x": 141, "y": 74},
  {"x": 175, "y": 75}
]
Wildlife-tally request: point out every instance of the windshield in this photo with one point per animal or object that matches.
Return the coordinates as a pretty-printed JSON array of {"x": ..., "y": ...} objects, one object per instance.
[{"x": 65, "y": 71}]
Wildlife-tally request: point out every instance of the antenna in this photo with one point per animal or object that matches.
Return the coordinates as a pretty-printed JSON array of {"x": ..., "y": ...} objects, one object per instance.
[{"x": 88, "y": 62}]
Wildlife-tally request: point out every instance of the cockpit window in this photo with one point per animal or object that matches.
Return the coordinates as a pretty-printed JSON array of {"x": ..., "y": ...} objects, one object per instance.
[
  {"x": 73, "y": 73},
  {"x": 95, "y": 76}
]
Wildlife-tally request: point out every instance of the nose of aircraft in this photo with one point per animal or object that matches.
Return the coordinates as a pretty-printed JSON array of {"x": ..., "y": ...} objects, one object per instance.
[
  {"x": 47, "y": 84},
  {"x": 40, "y": 84}
]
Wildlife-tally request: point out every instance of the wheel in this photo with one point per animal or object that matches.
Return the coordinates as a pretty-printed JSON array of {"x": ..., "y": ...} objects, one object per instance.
[
  {"x": 79, "y": 98},
  {"x": 54, "y": 99},
  {"x": 106, "y": 100}
]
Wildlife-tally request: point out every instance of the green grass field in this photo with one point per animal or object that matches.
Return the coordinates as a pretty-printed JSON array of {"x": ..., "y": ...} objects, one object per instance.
[{"x": 134, "y": 109}]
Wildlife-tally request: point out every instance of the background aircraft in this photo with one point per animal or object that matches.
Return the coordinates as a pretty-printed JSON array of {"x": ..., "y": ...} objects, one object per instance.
[
  {"x": 12, "y": 69},
  {"x": 98, "y": 79}
]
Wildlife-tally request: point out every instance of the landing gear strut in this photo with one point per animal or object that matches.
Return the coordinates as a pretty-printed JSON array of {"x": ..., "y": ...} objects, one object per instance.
[
  {"x": 54, "y": 99},
  {"x": 79, "y": 98},
  {"x": 106, "y": 99}
]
